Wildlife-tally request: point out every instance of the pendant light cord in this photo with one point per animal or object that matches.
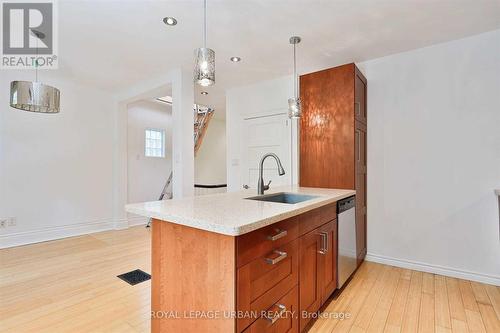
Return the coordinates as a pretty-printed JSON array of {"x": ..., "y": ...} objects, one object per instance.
[
  {"x": 294, "y": 72},
  {"x": 204, "y": 23},
  {"x": 36, "y": 61}
]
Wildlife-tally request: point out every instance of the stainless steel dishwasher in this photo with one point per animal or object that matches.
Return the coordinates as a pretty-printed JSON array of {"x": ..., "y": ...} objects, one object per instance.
[{"x": 346, "y": 263}]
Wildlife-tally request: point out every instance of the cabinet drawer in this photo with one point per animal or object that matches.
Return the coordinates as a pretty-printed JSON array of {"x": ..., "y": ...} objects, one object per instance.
[
  {"x": 282, "y": 316},
  {"x": 317, "y": 217},
  {"x": 262, "y": 241},
  {"x": 265, "y": 280}
]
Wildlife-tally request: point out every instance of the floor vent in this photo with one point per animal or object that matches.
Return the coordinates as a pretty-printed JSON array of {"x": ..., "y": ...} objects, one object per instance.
[{"x": 135, "y": 277}]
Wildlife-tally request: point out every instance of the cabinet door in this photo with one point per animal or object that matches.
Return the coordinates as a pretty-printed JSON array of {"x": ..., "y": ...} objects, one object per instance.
[
  {"x": 282, "y": 317},
  {"x": 310, "y": 292},
  {"x": 360, "y": 97},
  {"x": 328, "y": 260},
  {"x": 327, "y": 128},
  {"x": 360, "y": 142}
]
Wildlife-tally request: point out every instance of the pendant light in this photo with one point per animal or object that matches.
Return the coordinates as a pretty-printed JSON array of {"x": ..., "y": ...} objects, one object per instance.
[
  {"x": 34, "y": 96},
  {"x": 204, "y": 67},
  {"x": 294, "y": 103}
]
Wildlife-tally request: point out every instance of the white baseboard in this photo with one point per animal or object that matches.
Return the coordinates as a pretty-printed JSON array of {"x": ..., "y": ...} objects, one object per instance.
[
  {"x": 53, "y": 233},
  {"x": 121, "y": 224},
  {"x": 71, "y": 230},
  {"x": 435, "y": 269},
  {"x": 137, "y": 220}
]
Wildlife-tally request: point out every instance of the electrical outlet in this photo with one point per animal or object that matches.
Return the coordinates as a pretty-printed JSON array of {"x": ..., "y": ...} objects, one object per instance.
[
  {"x": 8, "y": 222},
  {"x": 12, "y": 222}
]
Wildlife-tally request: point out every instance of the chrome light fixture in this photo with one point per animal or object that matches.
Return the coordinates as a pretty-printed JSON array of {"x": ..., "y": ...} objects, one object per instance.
[
  {"x": 204, "y": 67},
  {"x": 34, "y": 96},
  {"x": 294, "y": 107}
]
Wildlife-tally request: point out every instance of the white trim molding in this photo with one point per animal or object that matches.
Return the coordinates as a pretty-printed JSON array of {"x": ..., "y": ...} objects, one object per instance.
[
  {"x": 435, "y": 269},
  {"x": 121, "y": 224},
  {"x": 137, "y": 220},
  {"x": 55, "y": 233},
  {"x": 70, "y": 230}
]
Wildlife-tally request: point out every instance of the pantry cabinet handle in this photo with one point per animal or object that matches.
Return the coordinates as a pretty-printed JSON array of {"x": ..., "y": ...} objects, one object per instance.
[
  {"x": 357, "y": 108},
  {"x": 277, "y": 316},
  {"x": 281, "y": 255},
  {"x": 279, "y": 234},
  {"x": 324, "y": 243},
  {"x": 358, "y": 133}
]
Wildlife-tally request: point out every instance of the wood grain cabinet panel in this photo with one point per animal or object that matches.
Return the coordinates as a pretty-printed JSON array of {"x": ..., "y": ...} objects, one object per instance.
[
  {"x": 316, "y": 218},
  {"x": 263, "y": 281},
  {"x": 286, "y": 310},
  {"x": 262, "y": 241},
  {"x": 328, "y": 271},
  {"x": 360, "y": 97},
  {"x": 318, "y": 269},
  {"x": 361, "y": 240},
  {"x": 309, "y": 276},
  {"x": 185, "y": 261},
  {"x": 333, "y": 137},
  {"x": 327, "y": 128}
]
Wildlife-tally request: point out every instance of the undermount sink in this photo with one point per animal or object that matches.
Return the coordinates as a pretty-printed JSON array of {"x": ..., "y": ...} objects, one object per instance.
[{"x": 283, "y": 197}]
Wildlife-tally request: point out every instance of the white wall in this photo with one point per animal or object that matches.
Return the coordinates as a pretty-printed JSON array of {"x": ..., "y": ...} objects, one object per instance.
[
  {"x": 56, "y": 169},
  {"x": 434, "y": 158},
  {"x": 147, "y": 175},
  {"x": 210, "y": 161},
  {"x": 261, "y": 99}
]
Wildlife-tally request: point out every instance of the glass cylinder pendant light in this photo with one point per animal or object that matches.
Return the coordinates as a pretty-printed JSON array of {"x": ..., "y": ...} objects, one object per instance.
[
  {"x": 204, "y": 67},
  {"x": 34, "y": 96},
  {"x": 294, "y": 107}
]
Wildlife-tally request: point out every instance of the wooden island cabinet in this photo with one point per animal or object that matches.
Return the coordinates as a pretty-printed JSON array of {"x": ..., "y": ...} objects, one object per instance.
[{"x": 268, "y": 280}]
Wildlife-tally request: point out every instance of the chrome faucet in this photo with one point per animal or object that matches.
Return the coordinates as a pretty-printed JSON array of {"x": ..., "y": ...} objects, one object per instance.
[{"x": 260, "y": 185}]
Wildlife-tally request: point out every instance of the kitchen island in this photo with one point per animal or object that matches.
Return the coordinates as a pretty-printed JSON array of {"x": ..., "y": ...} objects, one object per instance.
[{"x": 226, "y": 263}]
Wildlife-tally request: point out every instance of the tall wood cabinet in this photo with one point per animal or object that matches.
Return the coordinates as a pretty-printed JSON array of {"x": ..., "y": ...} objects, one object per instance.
[{"x": 333, "y": 130}]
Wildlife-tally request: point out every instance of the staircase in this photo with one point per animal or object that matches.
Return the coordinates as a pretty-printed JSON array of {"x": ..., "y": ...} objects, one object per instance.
[{"x": 202, "y": 116}]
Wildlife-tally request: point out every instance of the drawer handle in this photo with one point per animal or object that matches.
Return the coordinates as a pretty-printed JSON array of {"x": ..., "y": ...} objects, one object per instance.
[
  {"x": 278, "y": 315},
  {"x": 324, "y": 243},
  {"x": 279, "y": 234},
  {"x": 281, "y": 255}
]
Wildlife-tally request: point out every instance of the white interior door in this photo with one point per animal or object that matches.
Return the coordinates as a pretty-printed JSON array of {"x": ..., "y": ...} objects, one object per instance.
[{"x": 262, "y": 135}]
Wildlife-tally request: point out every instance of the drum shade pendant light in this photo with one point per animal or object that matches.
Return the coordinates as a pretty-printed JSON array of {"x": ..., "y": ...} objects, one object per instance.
[
  {"x": 294, "y": 107},
  {"x": 204, "y": 67},
  {"x": 34, "y": 96}
]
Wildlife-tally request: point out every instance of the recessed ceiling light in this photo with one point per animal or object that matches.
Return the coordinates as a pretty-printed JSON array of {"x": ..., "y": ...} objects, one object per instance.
[
  {"x": 204, "y": 93},
  {"x": 169, "y": 20},
  {"x": 235, "y": 59}
]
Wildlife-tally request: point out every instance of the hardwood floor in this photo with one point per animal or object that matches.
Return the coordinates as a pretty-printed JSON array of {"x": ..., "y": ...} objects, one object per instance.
[
  {"x": 382, "y": 298},
  {"x": 70, "y": 285}
]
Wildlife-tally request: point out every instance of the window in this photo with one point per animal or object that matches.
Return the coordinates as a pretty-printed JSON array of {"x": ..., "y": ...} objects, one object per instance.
[{"x": 155, "y": 143}]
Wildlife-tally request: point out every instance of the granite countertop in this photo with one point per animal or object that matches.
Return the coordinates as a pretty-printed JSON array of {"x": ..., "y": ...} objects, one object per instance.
[{"x": 230, "y": 213}]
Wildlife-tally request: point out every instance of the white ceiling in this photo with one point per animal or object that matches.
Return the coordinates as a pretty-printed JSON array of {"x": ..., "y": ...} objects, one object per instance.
[{"x": 114, "y": 44}]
